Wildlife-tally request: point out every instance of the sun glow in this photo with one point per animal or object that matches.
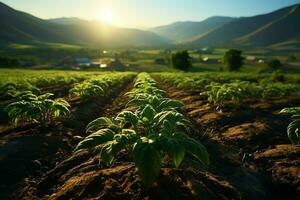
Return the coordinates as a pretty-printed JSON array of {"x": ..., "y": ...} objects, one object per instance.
[{"x": 108, "y": 16}]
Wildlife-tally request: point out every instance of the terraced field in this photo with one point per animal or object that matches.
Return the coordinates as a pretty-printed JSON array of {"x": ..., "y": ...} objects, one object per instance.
[{"x": 150, "y": 136}]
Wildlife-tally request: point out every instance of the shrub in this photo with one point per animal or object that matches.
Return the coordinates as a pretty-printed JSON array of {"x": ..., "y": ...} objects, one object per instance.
[
  {"x": 274, "y": 64},
  {"x": 181, "y": 60},
  {"x": 233, "y": 60},
  {"x": 9, "y": 62}
]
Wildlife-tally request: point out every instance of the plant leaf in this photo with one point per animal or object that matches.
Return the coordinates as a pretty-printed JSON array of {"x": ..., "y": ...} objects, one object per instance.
[
  {"x": 174, "y": 149},
  {"x": 147, "y": 160},
  {"x": 293, "y": 131},
  {"x": 127, "y": 117},
  {"x": 168, "y": 104},
  {"x": 98, "y": 138},
  {"x": 148, "y": 112},
  {"x": 193, "y": 147},
  {"x": 102, "y": 121}
]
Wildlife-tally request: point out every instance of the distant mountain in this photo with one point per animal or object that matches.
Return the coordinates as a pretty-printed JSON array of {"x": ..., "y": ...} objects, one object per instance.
[
  {"x": 181, "y": 31},
  {"x": 67, "y": 20},
  {"x": 277, "y": 27},
  {"x": 278, "y": 30},
  {"x": 18, "y": 26}
]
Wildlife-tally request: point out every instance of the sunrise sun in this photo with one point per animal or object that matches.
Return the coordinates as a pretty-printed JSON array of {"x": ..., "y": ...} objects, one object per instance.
[{"x": 107, "y": 16}]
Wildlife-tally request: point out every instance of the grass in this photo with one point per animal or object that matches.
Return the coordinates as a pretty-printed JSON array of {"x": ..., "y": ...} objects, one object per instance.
[{"x": 42, "y": 45}]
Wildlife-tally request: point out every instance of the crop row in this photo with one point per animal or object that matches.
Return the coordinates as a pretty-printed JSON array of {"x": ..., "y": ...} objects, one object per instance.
[
  {"x": 220, "y": 91},
  {"x": 43, "y": 109},
  {"x": 99, "y": 85},
  {"x": 11, "y": 86},
  {"x": 154, "y": 131}
]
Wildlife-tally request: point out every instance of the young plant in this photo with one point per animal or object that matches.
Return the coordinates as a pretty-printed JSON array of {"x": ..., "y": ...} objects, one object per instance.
[
  {"x": 147, "y": 136},
  {"x": 98, "y": 85},
  {"x": 35, "y": 108},
  {"x": 218, "y": 93},
  {"x": 88, "y": 89},
  {"x": 293, "y": 129},
  {"x": 154, "y": 130}
]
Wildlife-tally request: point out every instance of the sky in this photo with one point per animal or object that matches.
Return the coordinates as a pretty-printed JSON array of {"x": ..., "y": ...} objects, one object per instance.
[{"x": 146, "y": 13}]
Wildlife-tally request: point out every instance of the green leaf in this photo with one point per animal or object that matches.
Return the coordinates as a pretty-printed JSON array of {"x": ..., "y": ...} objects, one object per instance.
[
  {"x": 137, "y": 101},
  {"x": 193, "y": 147},
  {"x": 102, "y": 121},
  {"x": 106, "y": 155},
  {"x": 293, "y": 131},
  {"x": 111, "y": 150},
  {"x": 168, "y": 104},
  {"x": 295, "y": 111},
  {"x": 98, "y": 138},
  {"x": 127, "y": 117},
  {"x": 171, "y": 117},
  {"x": 148, "y": 112},
  {"x": 45, "y": 96},
  {"x": 174, "y": 149},
  {"x": 147, "y": 160},
  {"x": 60, "y": 109}
]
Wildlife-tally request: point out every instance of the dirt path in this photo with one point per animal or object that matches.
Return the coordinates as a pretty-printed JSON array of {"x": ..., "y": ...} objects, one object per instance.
[
  {"x": 248, "y": 146},
  {"x": 27, "y": 151}
]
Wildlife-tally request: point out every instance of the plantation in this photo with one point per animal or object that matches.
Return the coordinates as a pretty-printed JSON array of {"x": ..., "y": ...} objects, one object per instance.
[{"x": 169, "y": 135}]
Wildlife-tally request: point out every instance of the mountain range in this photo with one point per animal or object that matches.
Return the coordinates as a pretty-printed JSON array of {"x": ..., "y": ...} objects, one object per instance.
[
  {"x": 179, "y": 32},
  {"x": 278, "y": 29},
  {"x": 20, "y": 27}
]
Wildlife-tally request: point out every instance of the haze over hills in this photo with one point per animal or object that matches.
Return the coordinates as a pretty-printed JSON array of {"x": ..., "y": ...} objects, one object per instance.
[
  {"x": 279, "y": 29},
  {"x": 21, "y": 27},
  {"x": 181, "y": 31},
  {"x": 67, "y": 20},
  {"x": 280, "y": 26}
]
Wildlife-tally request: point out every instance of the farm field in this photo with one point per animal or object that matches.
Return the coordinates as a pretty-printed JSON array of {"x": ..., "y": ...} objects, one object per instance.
[{"x": 168, "y": 135}]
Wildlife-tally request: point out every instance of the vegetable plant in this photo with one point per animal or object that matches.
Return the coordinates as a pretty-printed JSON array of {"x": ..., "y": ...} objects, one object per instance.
[
  {"x": 35, "y": 108},
  {"x": 219, "y": 93},
  {"x": 155, "y": 130}
]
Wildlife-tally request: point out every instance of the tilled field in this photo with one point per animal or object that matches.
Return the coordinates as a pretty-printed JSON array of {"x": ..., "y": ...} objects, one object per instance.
[
  {"x": 248, "y": 145},
  {"x": 250, "y": 154}
]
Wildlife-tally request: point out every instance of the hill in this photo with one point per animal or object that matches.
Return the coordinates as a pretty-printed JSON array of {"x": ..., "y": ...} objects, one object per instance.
[
  {"x": 262, "y": 30},
  {"x": 20, "y": 27},
  {"x": 181, "y": 31}
]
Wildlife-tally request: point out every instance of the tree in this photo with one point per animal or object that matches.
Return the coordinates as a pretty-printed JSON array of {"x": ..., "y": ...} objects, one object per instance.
[
  {"x": 233, "y": 60},
  {"x": 9, "y": 62},
  {"x": 274, "y": 64},
  {"x": 181, "y": 60}
]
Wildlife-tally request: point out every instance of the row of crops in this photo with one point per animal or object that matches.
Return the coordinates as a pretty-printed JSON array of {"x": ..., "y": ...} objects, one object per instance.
[
  {"x": 99, "y": 85},
  {"x": 220, "y": 90},
  {"x": 29, "y": 106},
  {"x": 152, "y": 130},
  {"x": 14, "y": 82}
]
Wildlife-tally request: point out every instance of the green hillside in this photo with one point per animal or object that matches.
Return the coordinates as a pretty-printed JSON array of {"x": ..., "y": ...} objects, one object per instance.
[
  {"x": 19, "y": 27},
  {"x": 269, "y": 29},
  {"x": 181, "y": 31}
]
